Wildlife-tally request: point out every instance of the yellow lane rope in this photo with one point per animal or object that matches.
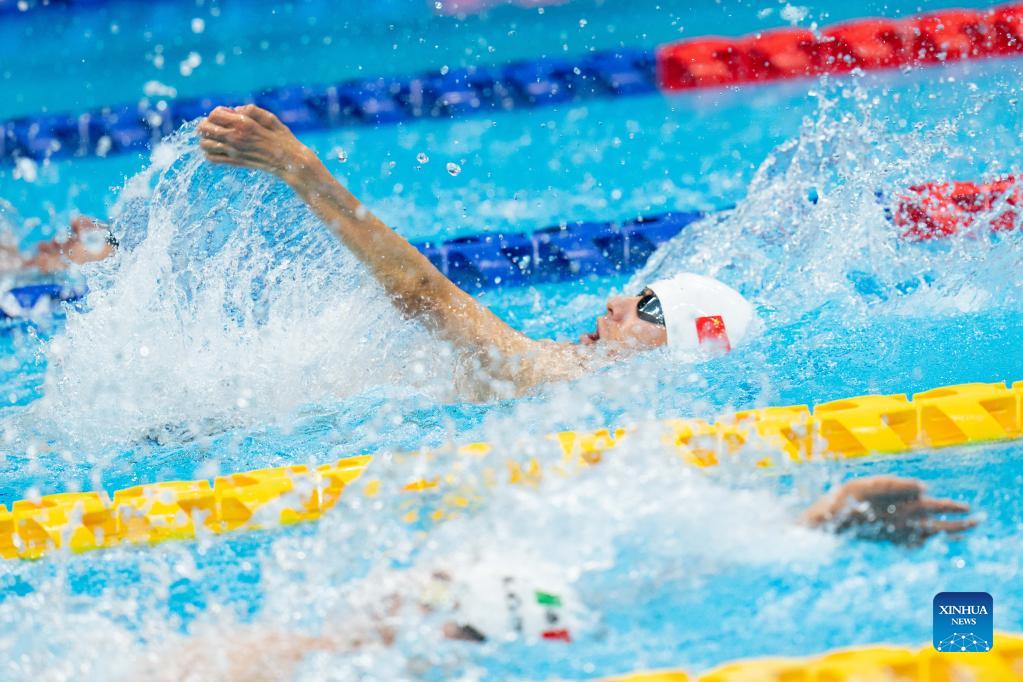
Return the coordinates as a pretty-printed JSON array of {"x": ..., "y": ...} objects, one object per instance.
[
  {"x": 1004, "y": 663},
  {"x": 156, "y": 512}
]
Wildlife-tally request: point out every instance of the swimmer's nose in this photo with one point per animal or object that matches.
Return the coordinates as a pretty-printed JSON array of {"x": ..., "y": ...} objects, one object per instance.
[{"x": 618, "y": 307}]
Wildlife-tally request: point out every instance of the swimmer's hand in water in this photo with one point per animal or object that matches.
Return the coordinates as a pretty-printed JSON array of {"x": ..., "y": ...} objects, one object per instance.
[
  {"x": 887, "y": 508},
  {"x": 250, "y": 137}
]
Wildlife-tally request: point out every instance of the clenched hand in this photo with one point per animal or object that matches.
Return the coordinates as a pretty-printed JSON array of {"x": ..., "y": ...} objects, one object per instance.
[{"x": 251, "y": 137}]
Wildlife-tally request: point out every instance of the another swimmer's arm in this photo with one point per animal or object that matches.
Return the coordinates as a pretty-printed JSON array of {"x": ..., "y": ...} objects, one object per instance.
[
  {"x": 251, "y": 137},
  {"x": 886, "y": 508}
]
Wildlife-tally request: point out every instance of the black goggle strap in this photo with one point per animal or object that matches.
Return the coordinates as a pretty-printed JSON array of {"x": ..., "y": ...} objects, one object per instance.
[{"x": 648, "y": 308}]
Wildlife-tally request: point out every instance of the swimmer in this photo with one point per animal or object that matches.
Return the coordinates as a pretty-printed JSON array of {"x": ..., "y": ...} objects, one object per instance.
[
  {"x": 510, "y": 597},
  {"x": 688, "y": 311},
  {"x": 89, "y": 241}
]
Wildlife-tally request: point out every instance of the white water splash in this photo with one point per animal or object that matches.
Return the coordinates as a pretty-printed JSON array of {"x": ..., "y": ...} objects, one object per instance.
[
  {"x": 813, "y": 229},
  {"x": 227, "y": 304}
]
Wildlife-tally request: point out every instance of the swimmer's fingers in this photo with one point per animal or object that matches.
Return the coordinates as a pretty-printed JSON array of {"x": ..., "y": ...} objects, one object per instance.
[
  {"x": 931, "y": 505},
  {"x": 219, "y": 148},
  {"x": 881, "y": 492},
  {"x": 209, "y": 130},
  {"x": 226, "y": 160},
  {"x": 253, "y": 138},
  {"x": 217, "y": 152},
  {"x": 238, "y": 118},
  {"x": 225, "y": 117},
  {"x": 261, "y": 116},
  {"x": 911, "y": 533},
  {"x": 929, "y": 528},
  {"x": 231, "y": 126}
]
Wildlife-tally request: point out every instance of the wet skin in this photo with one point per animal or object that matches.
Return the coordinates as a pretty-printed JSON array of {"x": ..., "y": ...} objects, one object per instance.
[{"x": 621, "y": 325}]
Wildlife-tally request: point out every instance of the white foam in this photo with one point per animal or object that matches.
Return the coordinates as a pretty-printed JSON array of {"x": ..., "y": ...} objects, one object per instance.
[{"x": 228, "y": 303}]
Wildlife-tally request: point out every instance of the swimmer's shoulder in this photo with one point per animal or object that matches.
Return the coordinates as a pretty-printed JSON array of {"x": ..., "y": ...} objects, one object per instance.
[
  {"x": 547, "y": 360},
  {"x": 501, "y": 373}
]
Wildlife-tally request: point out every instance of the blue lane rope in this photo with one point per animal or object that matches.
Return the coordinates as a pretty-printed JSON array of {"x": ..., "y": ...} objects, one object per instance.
[
  {"x": 554, "y": 254},
  {"x": 481, "y": 262},
  {"x": 369, "y": 101},
  {"x": 21, "y": 303}
]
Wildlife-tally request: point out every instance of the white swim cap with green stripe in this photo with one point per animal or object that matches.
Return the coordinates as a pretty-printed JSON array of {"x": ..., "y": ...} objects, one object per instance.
[{"x": 505, "y": 599}]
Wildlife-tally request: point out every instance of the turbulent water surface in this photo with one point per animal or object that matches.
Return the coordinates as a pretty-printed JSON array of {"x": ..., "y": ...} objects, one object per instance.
[{"x": 232, "y": 332}]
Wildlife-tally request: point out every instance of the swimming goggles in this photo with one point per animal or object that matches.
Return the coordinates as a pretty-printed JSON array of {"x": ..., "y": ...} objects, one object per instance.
[{"x": 648, "y": 308}]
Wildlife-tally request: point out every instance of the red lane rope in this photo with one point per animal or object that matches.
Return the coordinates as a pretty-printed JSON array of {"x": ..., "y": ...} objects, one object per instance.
[
  {"x": 866, "y": 44},
  {"x": 940, "y": 209}
]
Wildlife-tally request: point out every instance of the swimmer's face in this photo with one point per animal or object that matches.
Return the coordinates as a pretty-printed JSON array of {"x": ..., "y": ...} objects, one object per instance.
[{"x": 622, "y": 327}]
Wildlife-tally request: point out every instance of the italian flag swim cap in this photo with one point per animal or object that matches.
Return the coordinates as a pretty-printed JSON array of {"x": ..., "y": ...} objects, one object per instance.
[{"x": 507, "y": 599}]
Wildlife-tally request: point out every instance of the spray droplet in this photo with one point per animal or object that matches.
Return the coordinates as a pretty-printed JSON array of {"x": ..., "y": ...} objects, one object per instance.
[
  {"x": 27, "y": 170},
  {"x": 341, "y": 154},
  {"x": 453, "y": 168},
  {"x": 103, "y": 146},
  {"x": 421, "y": 157}
]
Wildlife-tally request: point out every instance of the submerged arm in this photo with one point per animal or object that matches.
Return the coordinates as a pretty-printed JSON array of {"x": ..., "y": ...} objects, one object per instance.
[
  {"x": 251, "y": 137},
  {"x": 886, "y": 508}
]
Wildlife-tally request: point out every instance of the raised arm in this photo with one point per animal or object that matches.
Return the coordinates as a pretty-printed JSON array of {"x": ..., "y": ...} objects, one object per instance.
[{"x": 251, "y": 137}]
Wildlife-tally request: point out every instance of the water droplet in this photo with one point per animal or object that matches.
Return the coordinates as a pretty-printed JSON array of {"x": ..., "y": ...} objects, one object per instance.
[
  {"x": 103, "y": 146},
  {"x": 341, "y": 154},
  {"x": 27, "y": 170},
  {"x": 421, "y": 157},
  {"x": 453, "y": 168},
  {"x": 582, "y": 23},
  {"x": 198, "y": 25}
]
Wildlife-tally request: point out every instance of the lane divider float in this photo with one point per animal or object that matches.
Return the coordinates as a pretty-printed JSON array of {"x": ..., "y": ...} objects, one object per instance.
[
  {"x": 366, "y": 101},
  {"x": 941, "y": 209},
  {"x": 32, "y": 301},
  {"x": 475, "y": 263},
  {"x": 853, "y": 427},
  {"x": 864, "y": 44},
  {"x": 704, "y": 62},
  {"x": 1004, "y": 663},
  {"x": 576, "y": 250}
]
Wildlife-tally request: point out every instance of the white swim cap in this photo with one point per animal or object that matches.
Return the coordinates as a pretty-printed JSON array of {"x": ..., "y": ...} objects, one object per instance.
[
  {"x": 701, "y": 311},
  {"x": 505, "y": 600}
]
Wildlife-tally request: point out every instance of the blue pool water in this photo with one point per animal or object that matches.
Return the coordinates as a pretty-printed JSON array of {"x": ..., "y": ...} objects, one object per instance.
[{"x": 234, "y": 334}]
